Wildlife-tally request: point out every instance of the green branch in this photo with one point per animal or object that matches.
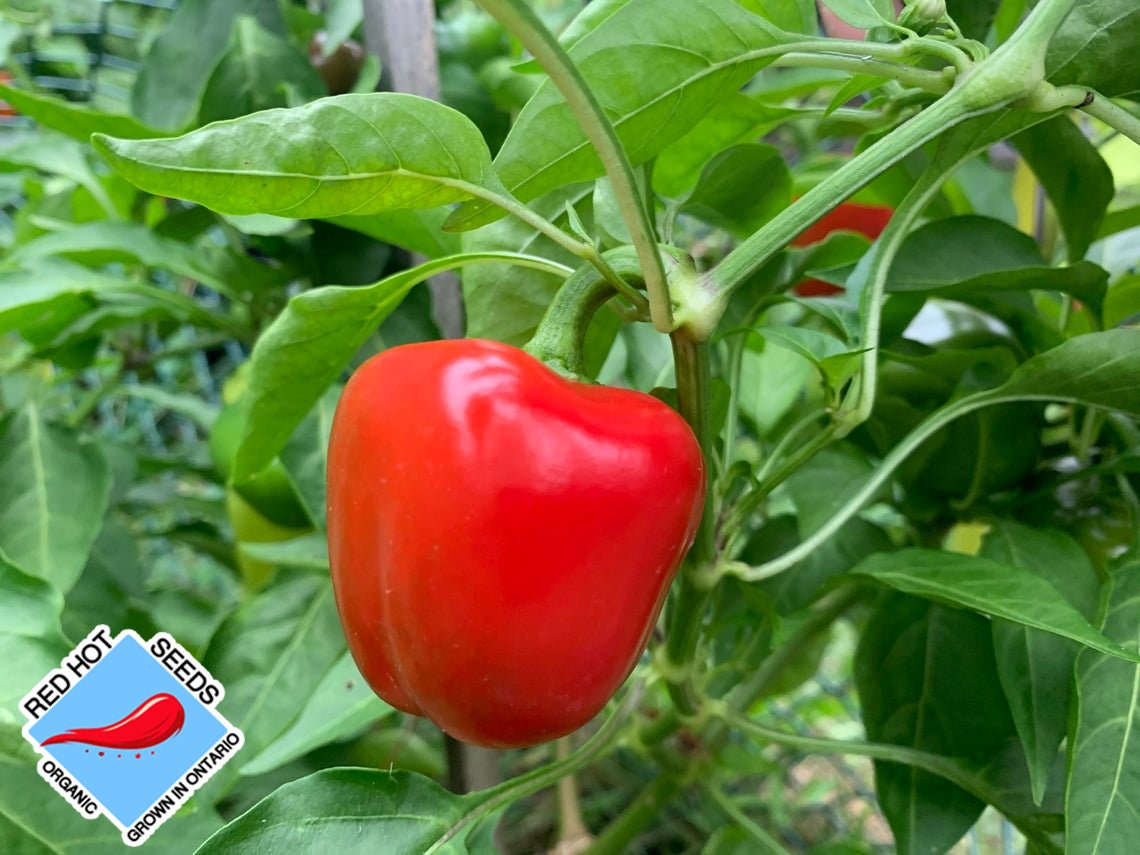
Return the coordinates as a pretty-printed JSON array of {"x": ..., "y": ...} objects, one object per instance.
[
  {"x": 620, "y": 833},
  {"x": 1114, "y": 116},
  {"x": 532, "y": 218},
  {"x": 692, "y": 591},
  {"x": 879, "y": 261},
  {"x": 821, "y": 616},
  {"x": 931, "y": 81},
  {"x": 765, "y": 842},
  {"x": 944, "y": 767}
]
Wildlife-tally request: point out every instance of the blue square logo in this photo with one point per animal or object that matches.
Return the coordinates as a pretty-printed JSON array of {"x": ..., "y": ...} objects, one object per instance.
[{"x": 128, "y": 728}]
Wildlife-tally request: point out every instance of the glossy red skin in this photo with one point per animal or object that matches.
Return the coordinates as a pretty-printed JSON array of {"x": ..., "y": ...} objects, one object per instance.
[
  {"x": 867, "y": 220},
  {"x": 502, "y": 539}
]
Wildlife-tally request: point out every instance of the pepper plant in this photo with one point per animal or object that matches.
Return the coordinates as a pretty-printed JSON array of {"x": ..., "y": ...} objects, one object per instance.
[{"x": 941, "y": 453}]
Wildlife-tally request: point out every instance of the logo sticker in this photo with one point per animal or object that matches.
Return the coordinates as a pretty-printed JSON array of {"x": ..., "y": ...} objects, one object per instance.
[{"x": 128, "y": 729}]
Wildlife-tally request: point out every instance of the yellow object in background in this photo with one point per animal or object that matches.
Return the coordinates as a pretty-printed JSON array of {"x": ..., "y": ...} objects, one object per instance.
[
  {"x": 965, "y": 538},
  {"x": 1026, "y": 198}
]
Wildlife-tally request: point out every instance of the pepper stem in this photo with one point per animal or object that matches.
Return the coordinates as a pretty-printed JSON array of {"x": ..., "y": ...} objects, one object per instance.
[{"x": 561, "y": 333}]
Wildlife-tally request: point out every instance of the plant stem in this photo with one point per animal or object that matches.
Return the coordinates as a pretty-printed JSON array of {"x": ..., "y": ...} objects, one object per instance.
[
  {"x": 620, "y": 833},
  {"x": 735, "y": 363},
  {"x": 908, "y": 75},
  {"x": 786, "y": 441},
  {"x": 764, "y": 841},
  {"x": 694, "y": 393},
  {"x": 898, "y": 52},
  {"x": 560, "y": 335},
  {"x": 1038, "y": 29},
  {"x": 571, "y": 829},
  {"x": 693, "y": 590},
  {"x": 944, "y": 767},
  {"x": 825, "y": 613},
  {"x": 533, "y": 219},
  {"x": 522, "y": 22},
  {"x": 880, "y": 258},
  {"x": 1114, "y": 116}
]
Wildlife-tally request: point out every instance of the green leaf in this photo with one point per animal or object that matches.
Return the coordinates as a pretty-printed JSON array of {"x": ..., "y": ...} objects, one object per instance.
[
  {"x": 736, "y": 118},
  {"x": 341, "y": 20},
  {"x": 1122, "y": 305},
  {"x": 857, "y": 85},
  {"x": 47, "y": 295},
  {"x": 864, "y": 14},
  {"x": 505, "y": 302},
  {"x": 927, "y": 678},
  {"x": 1036, "y": 668},
  {"x": 833, "y": 360},
  {"x": 348, "y": 810},
  {"x": 840, "y": 251},
  {"x": 54, "y": 154},
  {"x": 264, "y": 225},
  {"x": 582, "y": 24},
  {"x": 307, "y": 552},
  {"x": 813, "y": 485},
  {"x": 53, "y": 495},
  {"x": 1098, "y": 369},
  {"x": 173, "y": 78},
  {"x": 184, "y": 403},
  {"x": 352, "y": 154},
  {"x": 1095, "y": 47},
  {"x": 793, "y": 16},
  {"x": 76, "y": 120},
  {"x": 30, "y": 633},
  {"x": 799, "y": 586},
  {"x": 813, "y": 345},
  {"x": 1119, "y": 221},
  {"x": 973, "y": 17},
  {"x": 112, "y": 584},
  {"x": 974, "y": 255},
  {"x": 610, "y": 230},
  {"x": 416, "y": 231},
  {"x": 461, "y": 88},
  {"x": 311, "y": 342},
  {"x": 47, "y": 298},
  {"x": 995, "y": 589},
  {"x": 107, "y": 242},
  {"x": 304, "y": 456},
  {"x": 271, "y": 655},
  {"x": 656, "y": 67},
  {"x": 1009, "y": 16},
  {"x": 772, "y": 381},
  {"x": 1103, "y": 794},
  {"x": 340, "y": 707},
  {"x": 1075, "y": 177},
  {"x": 741, "y": 188},
  {"x": 259, "y": 70}
]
